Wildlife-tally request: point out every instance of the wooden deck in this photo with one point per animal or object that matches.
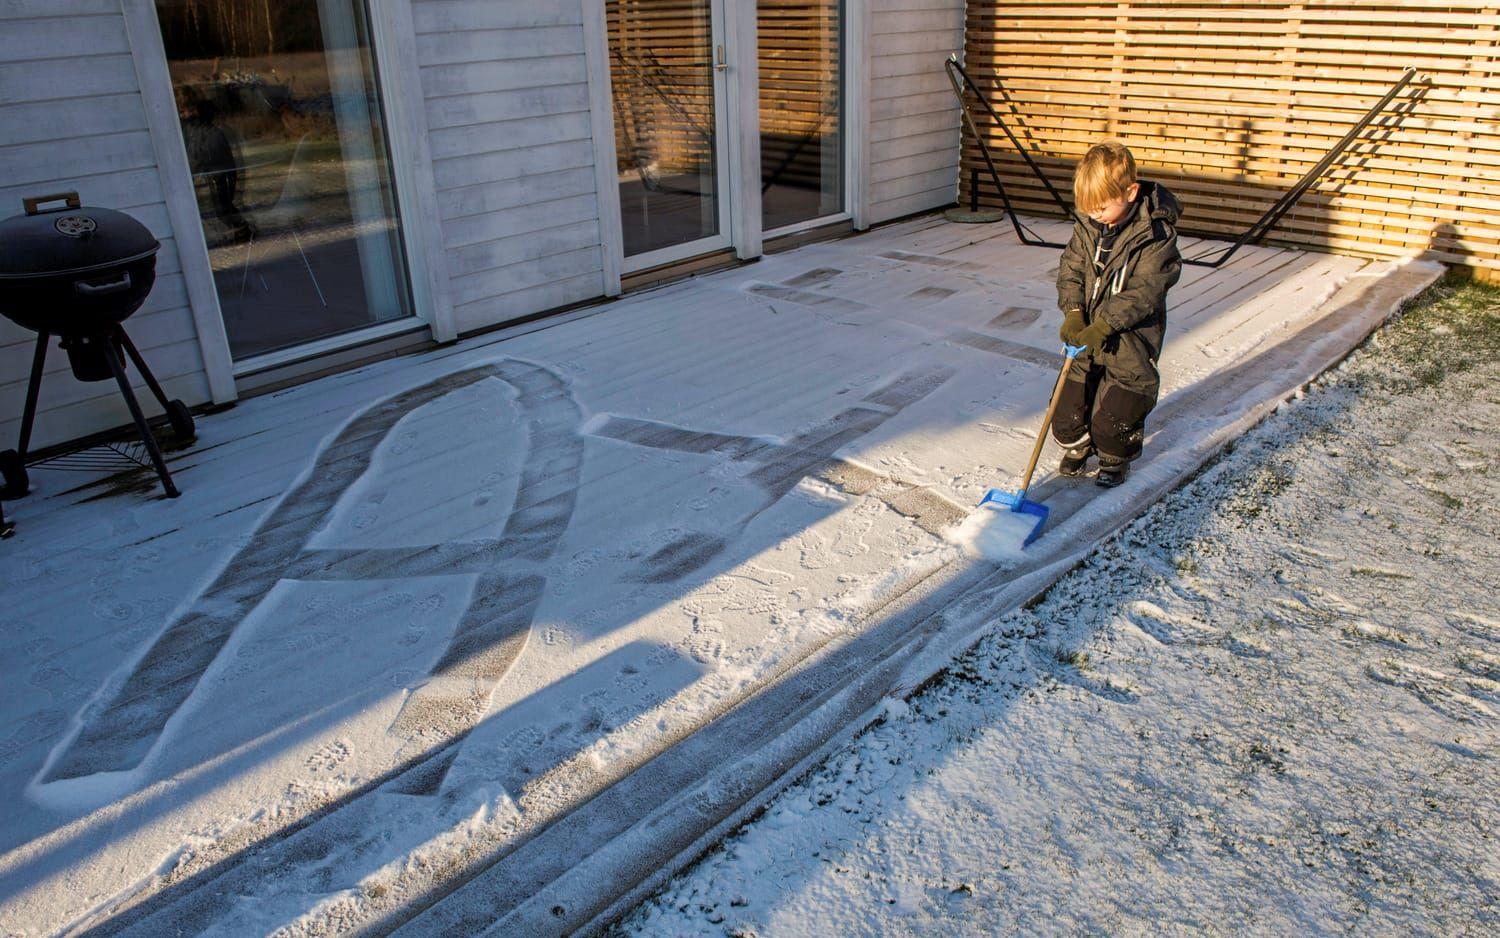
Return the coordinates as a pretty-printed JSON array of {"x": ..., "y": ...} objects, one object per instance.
[{"x": 602, "y": 580}]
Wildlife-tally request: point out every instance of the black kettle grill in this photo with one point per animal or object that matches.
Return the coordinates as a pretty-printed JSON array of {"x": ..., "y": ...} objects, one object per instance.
[{"x": 77, "y": 273}]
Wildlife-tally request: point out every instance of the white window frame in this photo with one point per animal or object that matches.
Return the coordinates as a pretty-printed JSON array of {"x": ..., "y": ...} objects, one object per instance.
[
  {"x": 848, "y": 88},
  {"x": 394, "y": 40},
  {"x": 735, "y": 24}
]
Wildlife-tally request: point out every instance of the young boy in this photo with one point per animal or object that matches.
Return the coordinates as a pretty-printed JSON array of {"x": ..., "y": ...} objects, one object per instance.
[{"x": 1112, "y": 288}]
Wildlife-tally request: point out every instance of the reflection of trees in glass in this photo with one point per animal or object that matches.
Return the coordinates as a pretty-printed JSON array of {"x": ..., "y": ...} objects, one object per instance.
[{"x": 238, "y": 27}]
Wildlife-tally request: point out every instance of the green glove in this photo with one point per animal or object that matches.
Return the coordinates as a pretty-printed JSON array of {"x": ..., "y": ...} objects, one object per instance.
[
  {"x": 1072, "y": 324},
  {"x": 1093, "y": 335}
]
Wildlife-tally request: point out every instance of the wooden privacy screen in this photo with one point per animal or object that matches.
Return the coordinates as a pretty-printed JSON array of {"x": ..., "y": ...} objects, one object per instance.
[{"x": 1229, "y": 104}]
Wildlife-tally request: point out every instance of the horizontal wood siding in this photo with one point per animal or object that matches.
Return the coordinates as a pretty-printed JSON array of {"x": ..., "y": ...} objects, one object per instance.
[
  {"x": 507, "y": 103},
  {"x": 1230, "y": 104},
  {"x": 913, "y": 147},
  {"x": 71, "y": 119}
]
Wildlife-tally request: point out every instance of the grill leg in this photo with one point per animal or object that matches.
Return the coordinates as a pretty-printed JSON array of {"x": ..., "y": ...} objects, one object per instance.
[
  {"x": 140, "y": 363},
  {"x": 28, "y": 416},
  {"x": 112, "y": 355}
]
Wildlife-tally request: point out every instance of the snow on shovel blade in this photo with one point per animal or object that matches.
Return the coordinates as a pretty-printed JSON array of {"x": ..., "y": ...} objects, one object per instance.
[{"x": 1020, "y": 505}]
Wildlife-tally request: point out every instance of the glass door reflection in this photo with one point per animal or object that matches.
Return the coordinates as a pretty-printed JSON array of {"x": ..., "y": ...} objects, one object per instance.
[
  {"x": 801, "y": 110},
  {"x": 281, "y": 118},
  {"x": 666, "y": 63}
]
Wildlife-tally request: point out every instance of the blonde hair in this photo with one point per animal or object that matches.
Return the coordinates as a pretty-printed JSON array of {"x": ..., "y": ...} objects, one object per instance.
[{"x": 1107, "y": 171}]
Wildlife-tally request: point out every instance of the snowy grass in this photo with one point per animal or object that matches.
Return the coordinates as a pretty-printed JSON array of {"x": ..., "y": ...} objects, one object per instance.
[{"x": 1267, "y": 706}]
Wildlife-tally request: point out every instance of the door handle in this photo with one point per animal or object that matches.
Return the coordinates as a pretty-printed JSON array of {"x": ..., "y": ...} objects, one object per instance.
[{"x": 722, "y": 63}]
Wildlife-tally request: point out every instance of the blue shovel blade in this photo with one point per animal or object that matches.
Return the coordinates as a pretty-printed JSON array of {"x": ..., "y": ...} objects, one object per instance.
[{"x": 1021, "y": 505}]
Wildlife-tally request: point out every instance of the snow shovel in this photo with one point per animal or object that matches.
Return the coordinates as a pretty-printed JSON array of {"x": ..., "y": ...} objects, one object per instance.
[{"x": 1017, "y": 501}]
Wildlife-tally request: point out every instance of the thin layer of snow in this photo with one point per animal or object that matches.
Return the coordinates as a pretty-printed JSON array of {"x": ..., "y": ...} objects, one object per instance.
[
  {"x": 1269, "y": 706},
  {"x": 421, "y": 611}
]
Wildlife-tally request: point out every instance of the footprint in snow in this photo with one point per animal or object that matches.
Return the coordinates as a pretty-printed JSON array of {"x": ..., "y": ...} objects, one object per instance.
[
  {"x": 1448, "y": 694},
  {"x": 1477, "y": 626},
  {"x": 1370, "y": 632},
  {"x": 1169, "y": 628},
  {"x": 1480, "y": 663}
]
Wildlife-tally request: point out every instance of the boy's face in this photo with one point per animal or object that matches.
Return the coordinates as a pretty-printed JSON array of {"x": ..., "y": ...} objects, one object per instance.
[{"x": 1112, "y": 211}]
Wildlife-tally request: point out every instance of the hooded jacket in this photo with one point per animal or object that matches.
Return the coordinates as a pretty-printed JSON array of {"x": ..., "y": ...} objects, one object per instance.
[{"x": 1130, "y": 294}]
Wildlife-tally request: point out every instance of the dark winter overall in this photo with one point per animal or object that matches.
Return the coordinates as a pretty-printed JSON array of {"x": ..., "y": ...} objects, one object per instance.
[{"x": 1118, "y": 275}]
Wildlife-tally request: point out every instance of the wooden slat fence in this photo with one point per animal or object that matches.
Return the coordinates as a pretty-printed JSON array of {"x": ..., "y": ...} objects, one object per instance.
[{"x": 1230, "y": 103}]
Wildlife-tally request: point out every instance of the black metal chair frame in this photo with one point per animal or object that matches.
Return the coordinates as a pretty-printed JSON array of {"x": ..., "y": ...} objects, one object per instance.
[{"x": 1255, "y": 233}]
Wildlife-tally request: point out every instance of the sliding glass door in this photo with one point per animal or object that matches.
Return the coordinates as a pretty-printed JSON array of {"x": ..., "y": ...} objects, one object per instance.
[
  {"x": 801, "y": 52},
  {"x": 281, "y": 117},
  {"x": 667, "y": 66}
]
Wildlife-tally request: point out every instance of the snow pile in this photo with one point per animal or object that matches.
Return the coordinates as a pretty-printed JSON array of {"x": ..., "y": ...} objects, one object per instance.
[
  {"x": 1271, "y": 705},
  {"x": 994, "y": 532}
]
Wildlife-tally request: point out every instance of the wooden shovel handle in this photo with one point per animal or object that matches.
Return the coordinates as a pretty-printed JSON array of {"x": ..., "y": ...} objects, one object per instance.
[{"x": 1041, "y": 437}]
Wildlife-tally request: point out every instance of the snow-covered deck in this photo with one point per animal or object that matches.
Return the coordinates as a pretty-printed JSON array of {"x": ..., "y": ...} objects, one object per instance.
[{"x": 497, "y": 631}]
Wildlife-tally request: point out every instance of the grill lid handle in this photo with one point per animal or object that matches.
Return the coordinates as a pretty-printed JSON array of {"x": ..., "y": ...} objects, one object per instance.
[
  {"x": 34, "y": 203},
  {"x": 118, "y": 285}
]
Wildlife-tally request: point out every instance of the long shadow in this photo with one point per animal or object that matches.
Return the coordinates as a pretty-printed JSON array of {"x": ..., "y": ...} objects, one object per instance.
[
  {"x": 349, "y": 837},
  {"x": 119, "y": 734}
]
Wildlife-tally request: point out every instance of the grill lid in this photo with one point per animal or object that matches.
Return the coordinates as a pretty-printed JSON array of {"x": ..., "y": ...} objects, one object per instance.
[{"x": 69, "y": 239}]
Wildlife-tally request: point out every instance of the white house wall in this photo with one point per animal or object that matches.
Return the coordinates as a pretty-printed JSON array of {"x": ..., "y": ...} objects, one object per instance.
[
  {"x": 72, "y": 119},
  {"x": 507, "y": 101},
  {"x": 913, "y": 144},
  {"x": 505, "y": 97}
]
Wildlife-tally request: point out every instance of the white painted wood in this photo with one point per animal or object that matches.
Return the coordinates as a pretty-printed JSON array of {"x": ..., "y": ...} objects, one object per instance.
[
  {"x": 911, "y": 138},
  {"x": 170, "y": 156},
  {"x": 858, "y": 92},
  {"x": 521, "y": 303},
  {"x": 33, "y": 38},
  {"x": 471, "y": 230},
  {"x": 602, "y": 132},
  {"x": 528, "y": 243},
  {"x": 36, "y": 164},
  {"x": 459, "y": 16},
  {"x": 136, "y": 190},
  {"x": 497, "y": 195},
  {"x": 479, "y": 45},
  {"x": 477, "y": 139},
  {"x": 25, "y": 9},
  {"x": 742, "y": 127},
  {"x": 512, "y": 112},
  {"x": 459, "y": 110},
  {"x": 412, "y": 166},
  {"x": 70, "y": 76},
  {"x": 505, "y": 75},
  {"x": 81, "y": 117},
  {"x": 540, "y": 160},
  {"x": 552, "y": 260}
]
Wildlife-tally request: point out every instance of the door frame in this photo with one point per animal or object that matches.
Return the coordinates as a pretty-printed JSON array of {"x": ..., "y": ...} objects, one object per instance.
[
  {"x": 741, "y": 109},
  {"x": 728, "y": 110},
  {"x": 393, "y": 37}
]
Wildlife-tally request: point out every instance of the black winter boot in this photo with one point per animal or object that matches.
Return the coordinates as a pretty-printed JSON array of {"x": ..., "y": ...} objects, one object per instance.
[
  {"x": 1111, "y": 471},
  {"x": 1074, "y": 458}
]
